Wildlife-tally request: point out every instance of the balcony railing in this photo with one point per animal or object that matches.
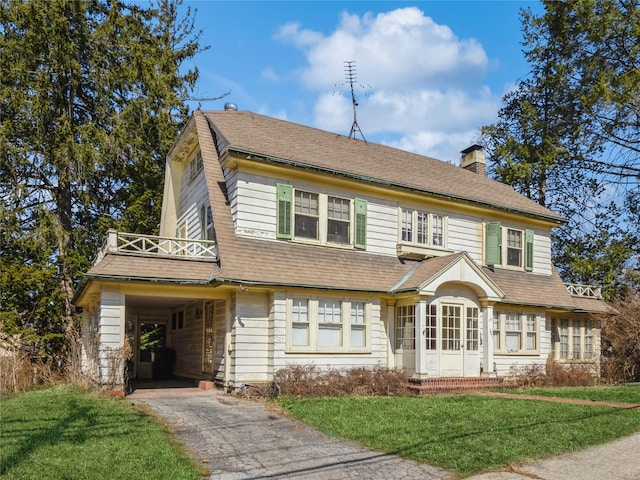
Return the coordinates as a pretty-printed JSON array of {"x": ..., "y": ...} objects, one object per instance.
[
  {"x": 586, "y": 291},
  {"x": 151, "y": 245}
]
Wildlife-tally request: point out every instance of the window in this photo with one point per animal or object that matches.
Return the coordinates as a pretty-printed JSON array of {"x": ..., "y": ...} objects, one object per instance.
[
  {"x": 519, "y": 246},
  {"x": 405, "y": 327},
  {"x": 532, "y": 332},
  {"x": 407, "y": 226},
  {"x": 588, "y": 342},
  {"x": 299, "y": 322},
  {"x": 177, "y": 320},
  {"x": 195, "y": 166},
  {"x": 437, "y": 231},
  {"x": 327, "y": 325},
  {"x": 338, "y": 215},
  {"x": 496, "y": 331},
  {"x": 358, "y": 326},
  {"x": 472, "y": 329},
  {"x": 451, "y": 327},
  {"x": 572, "y": 339},
  {"x": 432, "y": 330},
  {"x": 306, "y": 215},
  {"x": 207, "y": 232},
  {"x": 515, "y": 332},
  {"x": 318, "y": 217},
  {"x": 514, "y": 248},
  {"x": 563, "y": 333},
  {"x": 422, "y": 228},
  {"x": 576, "y": 344}
]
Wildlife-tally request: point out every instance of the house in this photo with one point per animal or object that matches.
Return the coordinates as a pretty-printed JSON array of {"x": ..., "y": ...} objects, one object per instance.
[{"x": 281, "y": 244}]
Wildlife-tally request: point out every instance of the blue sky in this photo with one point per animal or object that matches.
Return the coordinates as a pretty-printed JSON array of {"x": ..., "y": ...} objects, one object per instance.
[{"x": 430, "y": 74}]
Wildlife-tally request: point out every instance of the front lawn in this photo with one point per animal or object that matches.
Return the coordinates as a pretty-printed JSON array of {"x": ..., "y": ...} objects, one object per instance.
[
  {"x": 468, "y": 433},
  {"x": 61, "y": 433},
  {"x": 620, "y": 394}
]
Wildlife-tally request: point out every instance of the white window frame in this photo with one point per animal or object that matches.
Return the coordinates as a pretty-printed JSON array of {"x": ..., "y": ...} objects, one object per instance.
[
  {"x": 323, "y": 218},
  {"x": 573, "y": 339},
  {"x": 405, "y": 331},
  {"x": 506, "y": 235},
  {"x": 328, "y": 323},
  {"x": 503, "y": 327},
  {"x": 195, "y": 165},
  {"x": 412, "y": 229}
]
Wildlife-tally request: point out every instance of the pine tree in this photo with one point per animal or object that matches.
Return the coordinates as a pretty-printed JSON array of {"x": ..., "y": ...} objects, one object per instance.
[{"x": 91, "y": 95}]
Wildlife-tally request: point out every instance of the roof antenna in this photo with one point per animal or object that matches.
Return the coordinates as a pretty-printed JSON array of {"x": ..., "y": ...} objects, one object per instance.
[{"x": 350, "y": 74}]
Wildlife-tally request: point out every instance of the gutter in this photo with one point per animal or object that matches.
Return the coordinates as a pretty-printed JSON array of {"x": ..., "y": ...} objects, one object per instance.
[{"x": 363, "y": 178}]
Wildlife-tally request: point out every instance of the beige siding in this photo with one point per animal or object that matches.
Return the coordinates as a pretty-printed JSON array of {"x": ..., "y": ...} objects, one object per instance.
[
  {"x": 256, "y": 206},
  {"x": 192, "y": 196},
  {"x": 541, "y": 252},
  {"x": 465, "y": 235},
  {"x": 187, "y": 342},
  {"x": 382, "y": 227},
  {"x": 110, "y": 325},
  {"x": 250, "y": 338}
]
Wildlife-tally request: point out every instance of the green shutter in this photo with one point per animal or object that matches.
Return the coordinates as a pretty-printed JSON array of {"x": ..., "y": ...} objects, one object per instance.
[
  {"x": 492, "y": 243},
  {"x": 284, "y": 194},
  {"x": 528, "y": 250},
  {"x": 360, "y": 237}
]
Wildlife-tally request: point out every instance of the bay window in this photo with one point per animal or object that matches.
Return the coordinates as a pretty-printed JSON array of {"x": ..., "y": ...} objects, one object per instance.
[{"x": 422, "y": 228}]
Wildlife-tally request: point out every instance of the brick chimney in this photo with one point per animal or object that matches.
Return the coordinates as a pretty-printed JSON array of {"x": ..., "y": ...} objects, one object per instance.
[{"x": 473, "y": 159}]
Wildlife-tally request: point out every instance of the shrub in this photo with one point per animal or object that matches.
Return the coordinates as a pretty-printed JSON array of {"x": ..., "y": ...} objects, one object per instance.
[
  {"x": 311, "y": 381},
  {"x": 553, "y": 374},
  {"x": 21, "y": 368}
]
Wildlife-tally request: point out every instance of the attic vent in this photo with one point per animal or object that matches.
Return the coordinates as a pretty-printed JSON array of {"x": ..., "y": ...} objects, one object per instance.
[{"x": 231, "y": 107}]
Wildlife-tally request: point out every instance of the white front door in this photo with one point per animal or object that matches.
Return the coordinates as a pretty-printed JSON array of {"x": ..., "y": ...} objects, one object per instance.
[
  {"x": 459, "y": 341},
  {"x": 452, "y": 341}
]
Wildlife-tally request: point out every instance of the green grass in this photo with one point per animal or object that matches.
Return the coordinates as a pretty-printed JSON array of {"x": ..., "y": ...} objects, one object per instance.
[
  {"x": 466, "y": 434},
  {"x": 622, "y": 394},
  {"x": 65, "y": 434}
]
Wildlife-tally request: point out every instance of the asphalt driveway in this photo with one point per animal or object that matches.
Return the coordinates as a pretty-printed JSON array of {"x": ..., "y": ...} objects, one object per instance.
[
  {"x": 242, "y": 439},
  {"x": 239, "y": 439}
]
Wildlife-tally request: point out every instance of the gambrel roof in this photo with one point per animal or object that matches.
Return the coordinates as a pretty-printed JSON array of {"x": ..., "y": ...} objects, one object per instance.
[
  {"x": 287, "y": 143},
  {"x": 263, "y": 262}
]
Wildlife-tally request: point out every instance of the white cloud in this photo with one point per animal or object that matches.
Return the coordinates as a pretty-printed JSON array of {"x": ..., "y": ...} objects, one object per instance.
[{"x": 419, "y": 86}]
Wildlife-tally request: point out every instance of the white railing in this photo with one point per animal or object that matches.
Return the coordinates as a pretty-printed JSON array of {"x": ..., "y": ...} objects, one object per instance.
[
  {"x": 151, "y": 245},
  {"x": 588, "y": 291}
]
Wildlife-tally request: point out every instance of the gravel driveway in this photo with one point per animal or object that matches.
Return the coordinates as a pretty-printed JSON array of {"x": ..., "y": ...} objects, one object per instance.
[{"x": 242, "y": 439}]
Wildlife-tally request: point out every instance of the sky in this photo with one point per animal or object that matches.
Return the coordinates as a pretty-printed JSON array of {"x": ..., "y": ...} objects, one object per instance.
[{"x": 428, "y": 75}]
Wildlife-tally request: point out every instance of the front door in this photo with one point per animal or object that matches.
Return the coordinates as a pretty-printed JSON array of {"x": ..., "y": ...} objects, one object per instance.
[
  {"x": 460, "y": 341},
  {"x": 452, "y": 341}
]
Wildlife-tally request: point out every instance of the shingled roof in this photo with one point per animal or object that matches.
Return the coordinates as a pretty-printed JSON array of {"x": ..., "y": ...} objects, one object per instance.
[
  {"x": 285, "y": 264},
  {"x": 279, "y": 141}
]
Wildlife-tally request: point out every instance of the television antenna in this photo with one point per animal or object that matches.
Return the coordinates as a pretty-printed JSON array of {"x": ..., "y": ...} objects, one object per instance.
[{"x": 351, "y": 77}]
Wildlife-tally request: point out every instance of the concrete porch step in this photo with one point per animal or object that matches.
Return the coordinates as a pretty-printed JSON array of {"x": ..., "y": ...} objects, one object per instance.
[{"x": 424, "y": 386}]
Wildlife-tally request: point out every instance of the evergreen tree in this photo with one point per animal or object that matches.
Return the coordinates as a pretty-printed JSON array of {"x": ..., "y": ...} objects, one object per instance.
[
  {"x": 569, "y": 137},
  {"x": 91, "y": 97}
]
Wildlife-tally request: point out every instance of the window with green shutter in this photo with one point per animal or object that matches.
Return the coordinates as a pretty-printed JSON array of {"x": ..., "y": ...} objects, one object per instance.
[
  {"x": 528, "y": 252},
  {"x": 360, "y": 240},
  {"x": 492, "y": 243},
  {"x": 284, "y": 194}
]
